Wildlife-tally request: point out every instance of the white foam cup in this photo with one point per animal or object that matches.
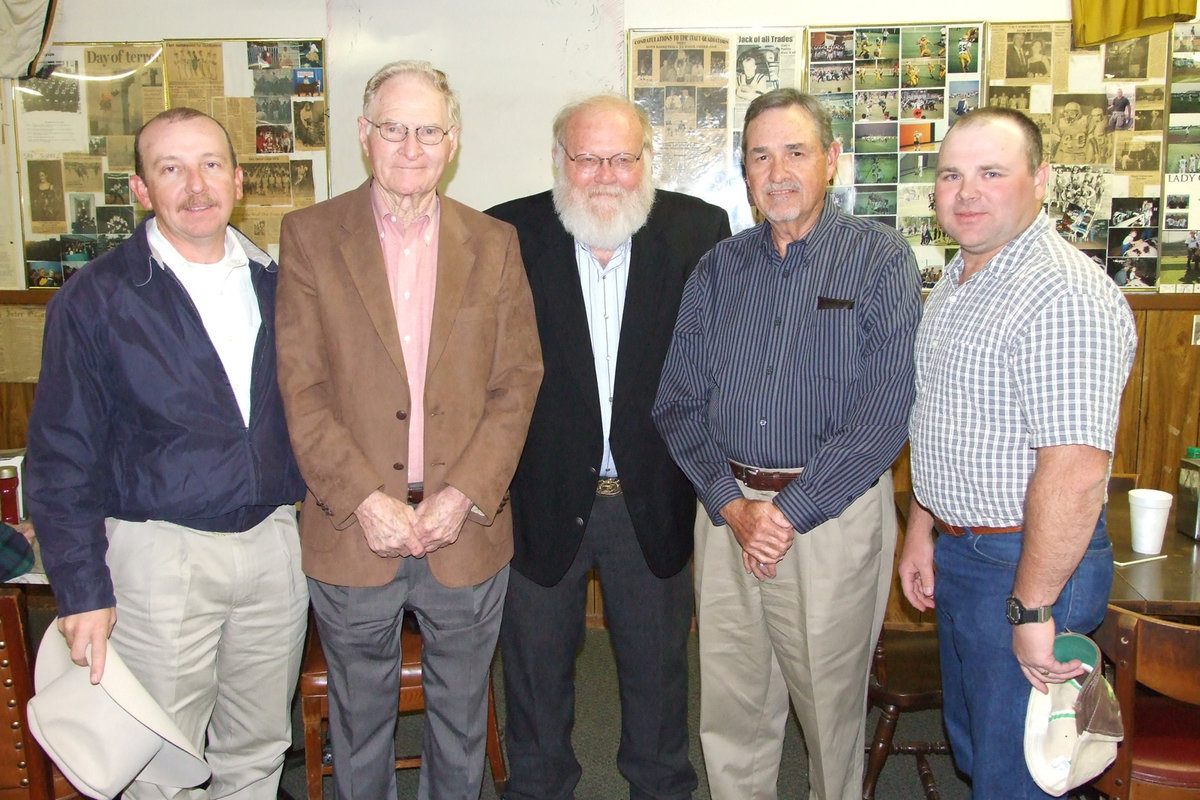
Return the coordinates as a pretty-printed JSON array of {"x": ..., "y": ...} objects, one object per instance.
[{"x": 1148, "y": 510}]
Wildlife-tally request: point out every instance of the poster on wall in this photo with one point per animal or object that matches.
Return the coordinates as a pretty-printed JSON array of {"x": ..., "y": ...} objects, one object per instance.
[
  {"x": 1179, "y": 261},
  {"x": 893, "y": 91},
  {"x": 1101, "y": 112},
  {"x": 76, "y": 125},
  {"x": 695, "y": 86}
]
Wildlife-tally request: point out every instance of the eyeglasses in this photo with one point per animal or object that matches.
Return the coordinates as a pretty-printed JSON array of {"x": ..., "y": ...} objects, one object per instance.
[
  {"x": 397, "y": 132},
  {"x": 586, "y": 162}
]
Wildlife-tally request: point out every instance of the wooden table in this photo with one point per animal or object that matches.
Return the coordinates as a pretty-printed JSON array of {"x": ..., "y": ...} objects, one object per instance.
[{"x": 1167, "y": 587}]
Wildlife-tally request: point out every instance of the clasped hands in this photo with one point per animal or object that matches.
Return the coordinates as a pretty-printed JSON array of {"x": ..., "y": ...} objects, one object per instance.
[
  {"x": 394, "y": 529},
  {"x": 763, "y": 532}
]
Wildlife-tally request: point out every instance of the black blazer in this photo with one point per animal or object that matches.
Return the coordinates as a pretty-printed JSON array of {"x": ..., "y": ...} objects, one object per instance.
[{"x": 555, "y": 482}]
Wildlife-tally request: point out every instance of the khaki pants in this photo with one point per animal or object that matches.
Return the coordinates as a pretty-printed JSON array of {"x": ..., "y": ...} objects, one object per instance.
[
  {"x": 809, "y": 633},
  {"x": 213, "y": 624}
]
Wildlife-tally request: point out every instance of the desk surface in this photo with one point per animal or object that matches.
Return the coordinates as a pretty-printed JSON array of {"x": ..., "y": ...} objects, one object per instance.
[{"x": 1167, "y": 587}]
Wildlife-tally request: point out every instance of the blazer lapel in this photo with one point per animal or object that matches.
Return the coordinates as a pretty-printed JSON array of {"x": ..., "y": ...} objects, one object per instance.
[
  {"x": 558, "y": 272},
  {"x": 642, "y": 299},
  {"x": 456, "y": 260},
  {"x": 364, "y": 261}
]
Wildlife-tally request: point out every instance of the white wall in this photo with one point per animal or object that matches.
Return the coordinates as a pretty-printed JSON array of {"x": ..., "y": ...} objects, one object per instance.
[{"x": 513, "y": 63}]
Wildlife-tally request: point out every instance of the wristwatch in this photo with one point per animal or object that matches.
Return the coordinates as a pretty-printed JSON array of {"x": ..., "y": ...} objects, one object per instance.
[{"x": 1019, "y": 615}]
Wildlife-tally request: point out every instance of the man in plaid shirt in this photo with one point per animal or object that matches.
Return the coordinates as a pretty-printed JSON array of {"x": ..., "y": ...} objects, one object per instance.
[{"x": 1021, "y": 358}]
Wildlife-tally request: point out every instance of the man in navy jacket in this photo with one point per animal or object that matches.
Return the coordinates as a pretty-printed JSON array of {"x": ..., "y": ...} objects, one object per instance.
[{"x": 159, "y": 475}]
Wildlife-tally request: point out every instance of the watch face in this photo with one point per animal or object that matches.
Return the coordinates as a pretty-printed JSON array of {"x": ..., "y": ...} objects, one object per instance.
[
  {"x": 1013, "y": 610},
  {"x": 1019, "y": 615}
]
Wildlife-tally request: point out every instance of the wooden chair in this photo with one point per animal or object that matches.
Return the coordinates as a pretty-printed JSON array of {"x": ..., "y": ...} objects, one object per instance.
[
  {"x": 1157, "y": 682},
  {"x": 26, "y": 773},
  {"x": 905, "y": 676},
  {"x": 314, "y": 707}
]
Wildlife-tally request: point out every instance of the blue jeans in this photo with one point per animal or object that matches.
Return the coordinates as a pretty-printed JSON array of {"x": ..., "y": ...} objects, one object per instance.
[{"x": 984, "y": 691}]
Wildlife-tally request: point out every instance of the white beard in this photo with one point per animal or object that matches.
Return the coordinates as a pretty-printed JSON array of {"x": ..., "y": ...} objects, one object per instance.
[{"x": 608, "y": 229}]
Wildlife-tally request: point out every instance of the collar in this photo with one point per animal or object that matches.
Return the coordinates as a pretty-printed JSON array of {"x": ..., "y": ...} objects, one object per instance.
[
  {"x": 144, "y": 254},
  {"x": 385, "y": 219},
  {"x": 810, "y": 241},
  {"x": 1003, "y": 261},
  {"x": 166, "y": 255}
]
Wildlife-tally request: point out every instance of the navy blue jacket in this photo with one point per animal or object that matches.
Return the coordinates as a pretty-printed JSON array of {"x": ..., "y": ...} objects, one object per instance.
[{"x": 134, "y": 418}]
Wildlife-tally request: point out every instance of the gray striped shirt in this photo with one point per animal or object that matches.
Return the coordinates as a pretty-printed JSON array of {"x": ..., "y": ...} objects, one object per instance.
[
  {"x": 801, "y": 361},
  {"x": 1032, "y": 351}
]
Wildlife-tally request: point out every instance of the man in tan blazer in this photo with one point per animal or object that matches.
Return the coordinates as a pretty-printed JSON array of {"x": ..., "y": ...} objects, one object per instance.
[{"x": 409, "y": 363}]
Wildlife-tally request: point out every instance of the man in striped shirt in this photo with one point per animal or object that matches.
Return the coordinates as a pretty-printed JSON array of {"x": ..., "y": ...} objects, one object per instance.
[
  {"x": 1021, "y": 359},
  {"x": 784, "y": 398}
]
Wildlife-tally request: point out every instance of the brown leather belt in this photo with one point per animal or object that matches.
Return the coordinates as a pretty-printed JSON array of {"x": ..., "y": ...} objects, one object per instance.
[
  {"x": 416, "y": 493},
  {"x": 608, "y": 487},
  {"x": 762, "y": 480},
  {"x": 955, "y": 530}
]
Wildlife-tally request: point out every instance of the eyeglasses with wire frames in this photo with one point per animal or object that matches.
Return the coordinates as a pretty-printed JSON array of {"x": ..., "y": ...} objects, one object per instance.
[
  {"x": 589, "y": 162},
  {"x": 398, "y": 132}
]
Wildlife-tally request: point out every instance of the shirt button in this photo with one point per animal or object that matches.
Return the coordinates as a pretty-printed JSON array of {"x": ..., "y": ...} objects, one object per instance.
[
  {"x": 770, "y": 370},
  {"x": 402, "y": 414},
  {"x": 762, "y": 423},
  {"x": 778, "y": 321},
  {"x": 397, "y": 466}
]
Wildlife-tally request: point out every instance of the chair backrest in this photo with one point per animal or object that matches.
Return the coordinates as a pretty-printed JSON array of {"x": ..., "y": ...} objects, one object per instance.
[
  {"x": 24, "y": 769},
  {"x": 1160, "y": 655}
]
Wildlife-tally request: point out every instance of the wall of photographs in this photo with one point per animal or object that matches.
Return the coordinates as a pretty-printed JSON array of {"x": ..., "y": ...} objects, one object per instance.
[
  {"x": 1112, "y": 116},
  {"x": 695, "y": 87},
  {"x": 1101, "y": 111},
  {"x": 76, "y": 125}
]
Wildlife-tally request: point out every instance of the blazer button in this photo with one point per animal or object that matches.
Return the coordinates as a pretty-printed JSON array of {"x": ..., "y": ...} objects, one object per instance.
[
  {"x": 401, "y": 414},
  {"x": 579, "y": 521},
  {"x": 397, "y": 466}
]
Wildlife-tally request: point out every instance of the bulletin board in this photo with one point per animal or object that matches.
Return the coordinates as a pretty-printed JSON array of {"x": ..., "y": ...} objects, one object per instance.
[
  {"x": 1120, "y": 126},
  {"x": 1101, "y": 111},
  {"x": 76, "y": 122},
  {"x": 695, "y": 86}
]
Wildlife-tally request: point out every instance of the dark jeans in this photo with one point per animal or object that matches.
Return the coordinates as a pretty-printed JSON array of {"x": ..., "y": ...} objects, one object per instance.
[{"x": 984, "y": 691}]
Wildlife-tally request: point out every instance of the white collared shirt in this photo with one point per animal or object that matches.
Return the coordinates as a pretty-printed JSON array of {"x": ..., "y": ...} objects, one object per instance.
[
  {"x": 224, "y": 296},
  {"x": 604, "y": 303}
]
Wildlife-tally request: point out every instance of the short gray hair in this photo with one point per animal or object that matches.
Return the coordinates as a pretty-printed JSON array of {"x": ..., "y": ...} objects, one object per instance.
[
  {"x": 437, "y": 79},
  {"x": 602, "y": 102}
]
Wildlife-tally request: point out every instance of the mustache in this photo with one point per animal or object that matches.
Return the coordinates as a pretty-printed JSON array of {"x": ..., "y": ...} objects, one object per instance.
[
  {"x": 789, "y": 185},
  {"x": 197, "y": 200},
  {"x": 606, "y": 191}
]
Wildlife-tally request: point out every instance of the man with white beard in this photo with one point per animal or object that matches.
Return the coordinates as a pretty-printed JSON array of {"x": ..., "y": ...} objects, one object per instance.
[{"x": 607, "y": 258}]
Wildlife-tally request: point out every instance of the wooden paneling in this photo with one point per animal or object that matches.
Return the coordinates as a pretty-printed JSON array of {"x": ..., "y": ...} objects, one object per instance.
[
  {"x": 1170, "y": 401},
  {"x": 16, "y": 401},
  {"x": 1125, "y": 453}
]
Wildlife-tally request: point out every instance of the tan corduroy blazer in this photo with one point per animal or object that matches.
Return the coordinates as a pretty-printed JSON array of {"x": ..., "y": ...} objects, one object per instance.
[{"x": 345, "y": 389}]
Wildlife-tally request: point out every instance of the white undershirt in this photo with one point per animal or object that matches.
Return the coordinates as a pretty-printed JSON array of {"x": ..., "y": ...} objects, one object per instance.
[
  {"x": 604, "y": 302},
  {"x": 224, "y": 296}
]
